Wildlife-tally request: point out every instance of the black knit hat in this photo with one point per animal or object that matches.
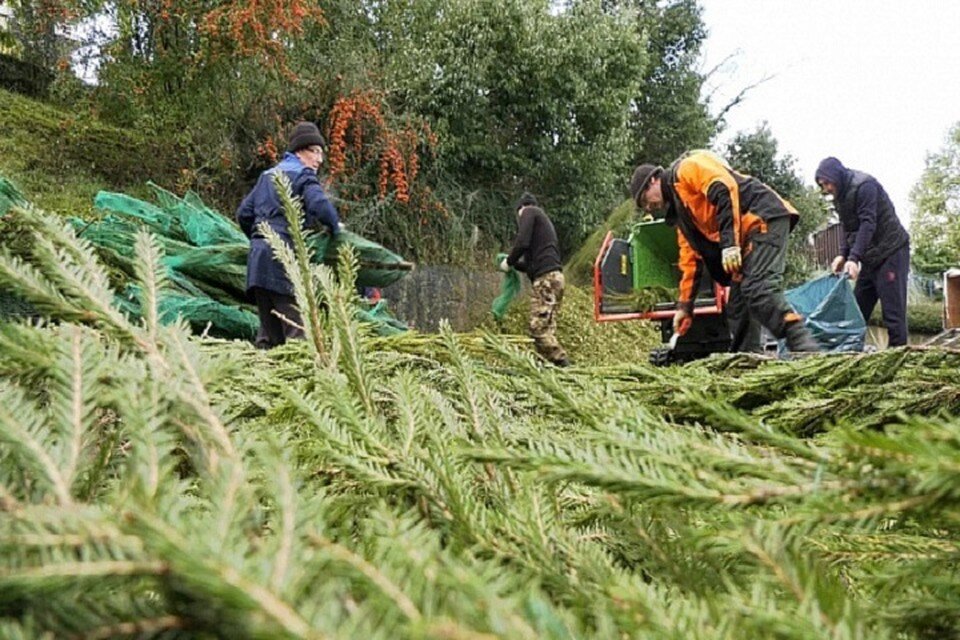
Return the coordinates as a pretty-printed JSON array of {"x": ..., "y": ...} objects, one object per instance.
[
  {"x": 305, "y": 134},
  {"x": 526, "y": 200},
  {"x": 642, "y": 176}
]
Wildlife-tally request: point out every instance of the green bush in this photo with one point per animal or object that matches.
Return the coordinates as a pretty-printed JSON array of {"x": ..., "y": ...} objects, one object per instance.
[{"x": 925, "y": 317}]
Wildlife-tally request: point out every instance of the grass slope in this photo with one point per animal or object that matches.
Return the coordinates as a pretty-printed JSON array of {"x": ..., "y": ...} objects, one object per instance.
[{"x": 61, "y": 159}]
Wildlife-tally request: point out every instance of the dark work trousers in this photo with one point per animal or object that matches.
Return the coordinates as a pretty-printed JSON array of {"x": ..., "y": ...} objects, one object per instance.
[
  {"x": 273, "y": 330},
  {"x": 888, "y": 284},
  {"x": 757, "y": 298}
]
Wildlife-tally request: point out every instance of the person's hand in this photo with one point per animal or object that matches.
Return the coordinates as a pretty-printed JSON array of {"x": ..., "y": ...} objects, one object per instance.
[
  {"x": 731, "y": 259},
  {"x": 837, "y": 265},
  {"x": 341, "y": 226},
  {"x": 504, "y": 266},
  {"x": 852, "y": 269},
  {"x": 682, "y": 321}
]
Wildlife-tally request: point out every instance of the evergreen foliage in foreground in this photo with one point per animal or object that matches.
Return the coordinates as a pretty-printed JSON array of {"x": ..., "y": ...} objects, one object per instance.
[{"x": 157, "y": 486}]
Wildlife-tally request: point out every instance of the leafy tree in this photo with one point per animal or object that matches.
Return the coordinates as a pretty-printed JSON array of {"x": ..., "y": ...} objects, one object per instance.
[
  {"x": 33, "y": 32},
  {"x": 520, "y": 98},
  {"x": 476, "y": 101},
  {"x": 935, "y": 226},
  {"x": 669, "y": 115},
  {"x": 756, "y": 154}
]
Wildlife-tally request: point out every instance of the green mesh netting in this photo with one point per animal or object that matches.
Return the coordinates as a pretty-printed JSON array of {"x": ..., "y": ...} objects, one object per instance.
[
  {"x": 158, "y": 220},
  {"x": 10, "y": 196},
  {"x": 11, "y": 306},
  {"x": 203, "y": 314},
  {"x": 509, "y": 289},
  {"x": 202, "y": 225},
  {"x": 384, "y": 324},
  {"x": 206, "y": 258},
  {"x": 379, "y": 266},
  {"x": 205, "y": 255}
]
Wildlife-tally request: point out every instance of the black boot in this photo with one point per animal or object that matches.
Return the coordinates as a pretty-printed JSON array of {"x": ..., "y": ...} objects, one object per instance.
[{"x": 799, "y": 339}]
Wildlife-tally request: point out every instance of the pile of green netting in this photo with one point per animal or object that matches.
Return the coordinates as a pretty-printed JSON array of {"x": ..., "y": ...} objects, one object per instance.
[
  {"x": 11, "y": 305},
  {"x": 10, "y": 196},
  {"x": 206, "y": 258}
]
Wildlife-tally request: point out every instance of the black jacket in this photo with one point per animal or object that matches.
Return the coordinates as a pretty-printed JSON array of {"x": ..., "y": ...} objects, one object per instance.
[{"x": 535, "y": 249}]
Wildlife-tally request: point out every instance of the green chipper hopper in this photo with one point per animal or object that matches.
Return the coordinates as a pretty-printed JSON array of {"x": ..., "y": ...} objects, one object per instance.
[{"x": 637, "y": 278}]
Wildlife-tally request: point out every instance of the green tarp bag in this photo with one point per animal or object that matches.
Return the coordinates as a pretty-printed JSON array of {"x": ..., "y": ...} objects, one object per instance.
[{"x": 509, "y": 289}]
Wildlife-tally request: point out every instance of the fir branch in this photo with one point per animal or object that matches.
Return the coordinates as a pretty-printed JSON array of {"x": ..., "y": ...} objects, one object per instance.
[
  {"x": 208, "y": 577},
  {"x": 24, "y": 576},
  {"x": 286, "y": 498},
  {"x": 77, "y": 405},
  {"x": 195, "y": 396},
  {"x": 471, "y": 391}
]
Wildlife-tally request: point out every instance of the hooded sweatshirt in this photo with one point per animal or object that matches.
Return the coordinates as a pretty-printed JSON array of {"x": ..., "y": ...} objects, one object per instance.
[{"x": 872, "y": 230}]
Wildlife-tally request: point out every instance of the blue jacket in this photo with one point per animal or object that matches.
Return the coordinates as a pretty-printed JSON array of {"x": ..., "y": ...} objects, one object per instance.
[{"x": 263, "y": 205}]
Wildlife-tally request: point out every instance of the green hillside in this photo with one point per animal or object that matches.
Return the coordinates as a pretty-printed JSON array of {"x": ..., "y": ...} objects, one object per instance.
[{"x": 61, "y": 159}]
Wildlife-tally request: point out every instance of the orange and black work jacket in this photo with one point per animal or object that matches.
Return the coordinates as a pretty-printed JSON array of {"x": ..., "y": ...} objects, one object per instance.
[{"x": 714, "y": 207}]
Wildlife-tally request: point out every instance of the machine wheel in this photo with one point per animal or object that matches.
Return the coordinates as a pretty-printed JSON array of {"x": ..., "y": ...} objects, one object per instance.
[{"x": 662, "y": 357}]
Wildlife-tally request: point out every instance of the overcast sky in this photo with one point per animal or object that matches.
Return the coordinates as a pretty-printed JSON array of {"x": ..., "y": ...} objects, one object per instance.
[{"x": 875, "y": 83}]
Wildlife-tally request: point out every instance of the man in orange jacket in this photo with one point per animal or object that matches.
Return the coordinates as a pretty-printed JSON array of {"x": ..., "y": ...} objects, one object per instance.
[{"x": 736, "y": 227}]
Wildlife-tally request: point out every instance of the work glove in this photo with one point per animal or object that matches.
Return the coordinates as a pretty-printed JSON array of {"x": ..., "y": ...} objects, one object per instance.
[
  {"x": 682, "y": 321},
  {"x": 504, "y": 266},
  {"x": 852, "y": 269},
  {"x": 731, "y": 259},
  {"x": 837, "y": 265}
]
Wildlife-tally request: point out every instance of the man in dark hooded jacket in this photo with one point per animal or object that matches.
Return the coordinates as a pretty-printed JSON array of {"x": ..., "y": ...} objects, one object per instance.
[
  {"x": 267, "y": 282},
  {"x": 874, "y": 246}
]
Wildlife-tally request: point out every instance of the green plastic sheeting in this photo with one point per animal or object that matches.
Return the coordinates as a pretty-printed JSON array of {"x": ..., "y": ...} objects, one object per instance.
[{"x": 509, "y": 289}]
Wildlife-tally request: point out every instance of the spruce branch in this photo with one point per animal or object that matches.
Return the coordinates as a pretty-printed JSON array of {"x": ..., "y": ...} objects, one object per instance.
[
  {"x": 151, "y": 274},
  {"x": 350, "y": 338},
  {"x": 298, "y": 264},
  {"x": 370, "y": 572},
  {"x": 145, "y": 628},
  {"x": 23, "y": 427}
]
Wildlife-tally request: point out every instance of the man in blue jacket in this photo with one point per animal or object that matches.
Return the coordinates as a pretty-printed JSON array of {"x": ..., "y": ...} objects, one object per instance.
[
  {"x": 874, "y": 246},
  {"x": 267, "y": 282}
]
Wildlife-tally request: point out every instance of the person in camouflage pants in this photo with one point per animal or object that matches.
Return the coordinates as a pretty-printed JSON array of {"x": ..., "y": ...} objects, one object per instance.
[
  {"x": 544, "y": 307},
  {"x": 536, "y": 252}
]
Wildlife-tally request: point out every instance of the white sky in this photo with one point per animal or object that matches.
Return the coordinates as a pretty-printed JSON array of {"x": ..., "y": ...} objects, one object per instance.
[{"x": 874, "y": 83}]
